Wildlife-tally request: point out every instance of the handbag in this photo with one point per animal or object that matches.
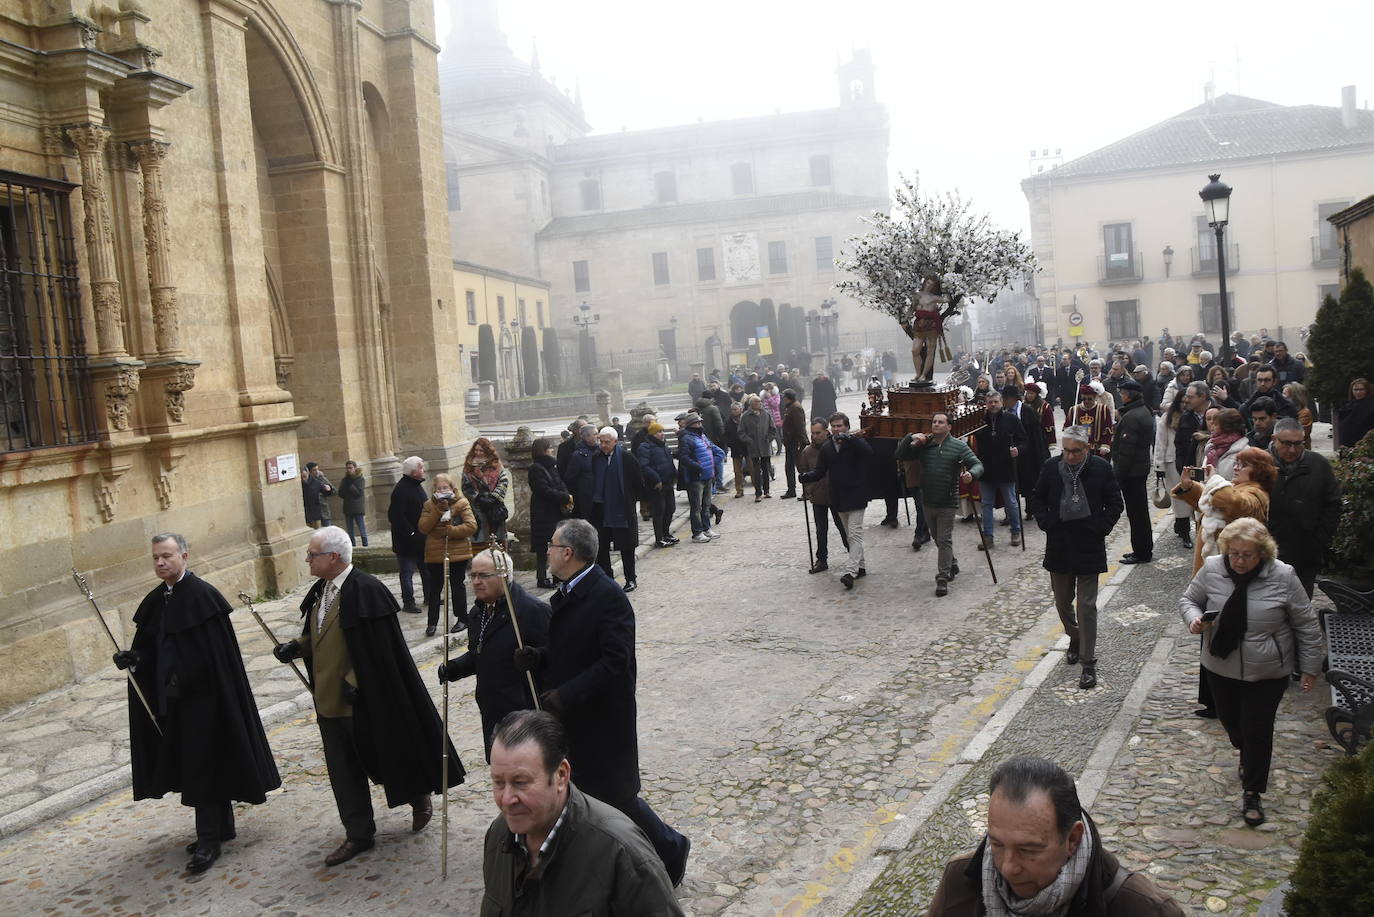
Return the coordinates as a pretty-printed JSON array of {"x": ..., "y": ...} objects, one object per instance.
[{"x": 1162, "y": 499}]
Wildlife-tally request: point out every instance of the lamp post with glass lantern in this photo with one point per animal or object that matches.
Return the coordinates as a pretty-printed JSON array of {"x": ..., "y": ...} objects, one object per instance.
[
  {"x": 1216, "y": 196},
  {"x": 584, "y": 323},
  {"x": 825, "y": 321}
]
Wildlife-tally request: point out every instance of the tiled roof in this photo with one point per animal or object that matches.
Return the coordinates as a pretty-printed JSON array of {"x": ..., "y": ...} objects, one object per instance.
[
  {"x": 734, "y": 210},
  {"x": 1232, "y": 127}
]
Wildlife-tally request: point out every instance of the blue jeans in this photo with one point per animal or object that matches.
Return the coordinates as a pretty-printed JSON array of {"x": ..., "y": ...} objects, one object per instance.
[
  {"x": 409, "y": 566},
  {"x": 1009, "y": 500},
  {"x": 361, "y": 521},
  {"x": 698, "y": 506}
]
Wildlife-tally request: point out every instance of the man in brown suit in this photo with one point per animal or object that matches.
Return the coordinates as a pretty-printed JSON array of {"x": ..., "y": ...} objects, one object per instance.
[
  {"x": 794, "y": 438},
  {"x": 375, "y": 715}
]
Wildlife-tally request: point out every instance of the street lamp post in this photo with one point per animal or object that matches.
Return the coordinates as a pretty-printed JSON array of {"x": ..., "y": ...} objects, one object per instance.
[
  {"x": 1216, "y": 196},
  {"x": 825, "y": 321},
  {"x": 519, "y": 357},
  {"x": 584, "y": 323}
]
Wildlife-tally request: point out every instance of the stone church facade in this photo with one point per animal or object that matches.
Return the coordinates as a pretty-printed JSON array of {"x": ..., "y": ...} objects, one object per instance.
[{"x": 224, "y": 249}]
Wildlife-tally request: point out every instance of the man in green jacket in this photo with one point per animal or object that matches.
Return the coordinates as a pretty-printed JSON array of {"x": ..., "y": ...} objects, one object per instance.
[
  {"x": 945, "y": 462},
  {"x": 554, "y": 850}
]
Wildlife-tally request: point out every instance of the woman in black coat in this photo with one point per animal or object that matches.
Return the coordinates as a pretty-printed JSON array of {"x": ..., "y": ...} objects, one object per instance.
[
  {"x": 549, "y": 498},
  {"x": 822, "y": 398}
]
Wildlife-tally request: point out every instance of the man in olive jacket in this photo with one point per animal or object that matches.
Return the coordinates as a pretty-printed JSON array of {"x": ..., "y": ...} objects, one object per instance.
[
  {"x": 554, "y": 850},
  {"x": 1034, "y": 806}
]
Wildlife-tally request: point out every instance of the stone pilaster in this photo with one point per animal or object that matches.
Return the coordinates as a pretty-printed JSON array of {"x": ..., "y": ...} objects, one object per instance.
[
  {"x": 516, "y": 457},
  {"x": 90, "y": 140},
  {"x": 157, "y": 246}
]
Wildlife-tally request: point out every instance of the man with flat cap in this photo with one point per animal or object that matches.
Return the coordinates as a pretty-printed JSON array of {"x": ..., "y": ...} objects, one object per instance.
[
  {"x": 207, "y": 741},
  {"x": 376, "y": 719}
]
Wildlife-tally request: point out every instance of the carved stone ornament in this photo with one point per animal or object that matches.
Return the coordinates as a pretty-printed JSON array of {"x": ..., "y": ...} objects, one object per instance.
[
  {"x": 284, "y": 364},
  {"x": 182, "y": 380},
  {"x": 109, "y": 320},
  {"x": 119, "y": 388},
  {"x": 166, "y": 323},
  {"x": 106, "y": 495}
]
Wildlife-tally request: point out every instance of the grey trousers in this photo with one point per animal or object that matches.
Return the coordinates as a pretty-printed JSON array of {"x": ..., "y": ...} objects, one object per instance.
[
  {"x": 853, "y": 521},
  {"x": 1082, "y": 629},
  {"x": 941, "y": 522}
]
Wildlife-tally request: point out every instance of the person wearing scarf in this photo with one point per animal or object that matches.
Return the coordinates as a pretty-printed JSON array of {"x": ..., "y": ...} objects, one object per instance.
[
  {"x": 486, "y": 483},
  {"x": 1226, "y": 441},
  {"x": 1257, "y": 625},
  {"x": 1042, "y": 856}
]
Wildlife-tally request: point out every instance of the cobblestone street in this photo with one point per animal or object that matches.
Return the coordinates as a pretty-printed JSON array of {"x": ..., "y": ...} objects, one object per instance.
[{"x": 826, "y": 751}]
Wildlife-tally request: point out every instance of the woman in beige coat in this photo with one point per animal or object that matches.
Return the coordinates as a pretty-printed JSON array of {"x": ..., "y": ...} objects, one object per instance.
[{"x": 448, "y": 524}]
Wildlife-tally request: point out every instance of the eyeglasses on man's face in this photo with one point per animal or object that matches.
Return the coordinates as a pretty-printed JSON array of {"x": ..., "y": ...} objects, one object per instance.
[
  {"x": 311, "y": 555},
  {"x": 1288, "y": 443},
  {"x": 480, "y": 577},
  {"x": 554, "y": 544}
]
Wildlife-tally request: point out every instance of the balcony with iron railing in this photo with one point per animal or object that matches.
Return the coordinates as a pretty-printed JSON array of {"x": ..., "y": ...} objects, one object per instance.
[
  {"x": 1326, "y": 251},
  {"x": 1205, "y": 259},
  {"x": 1119, "y": 267}
]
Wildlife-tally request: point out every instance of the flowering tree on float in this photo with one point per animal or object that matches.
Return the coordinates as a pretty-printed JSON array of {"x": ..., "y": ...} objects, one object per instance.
[{"x": 923, "y": 260}]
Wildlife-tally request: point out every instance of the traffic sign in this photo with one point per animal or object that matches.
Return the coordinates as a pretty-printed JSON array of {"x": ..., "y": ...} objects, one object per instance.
[{"x": 1075, "y": 318}]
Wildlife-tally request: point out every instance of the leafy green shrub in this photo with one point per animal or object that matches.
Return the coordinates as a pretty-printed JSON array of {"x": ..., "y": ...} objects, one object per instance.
[
  {"x": 1337, "y": 343},
  {"x": 1334, "y": 876},
  {"x": 1352, "y": 550}
]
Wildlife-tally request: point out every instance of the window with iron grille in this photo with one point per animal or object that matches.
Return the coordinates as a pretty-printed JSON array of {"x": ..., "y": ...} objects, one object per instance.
[
  {"x": 1123, "y": 318},
  {"x": 777, "y": 257},
  {"x": 1209, "y": 311},
  {"x": 660, "y": 268},
  {"x": 44, "y": 379},
  {"x": 706, "y": 264},
  {"x": 470, "y": 300},
  {"x": 582, "y": 277},
  {"x": 500, "y": 310}
]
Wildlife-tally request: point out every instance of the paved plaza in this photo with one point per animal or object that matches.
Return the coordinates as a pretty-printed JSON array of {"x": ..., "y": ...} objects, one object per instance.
[{"x": 825, "y": 750}]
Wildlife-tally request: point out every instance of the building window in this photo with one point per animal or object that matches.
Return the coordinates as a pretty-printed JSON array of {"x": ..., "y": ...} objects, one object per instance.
[
  {"x": 1206, "y": 247},
  {"x": 1209, "y": 316},
  {"x": 591, "y": 194},
  {"x": 582, "y": 278},
  {"x": 520, "y": 312},
  {"x": 539, "y": 311},
  {"x": 742, "y": 178},
  {"x": 825, "y": 254},
  {"x": 1326, "y": 247},
  {"x": 1328, "y": 289},
  {"x": 455, "y": 201},
  {"x": 1123, "y": 319},
  {"x": 777, "y": 257},
  {"x": 500, "y": 310},
  {"x": 660, "y": 269},
  {"x": 470, "y": 300},
  {"x": 706, "y": 264},
  {"x": 44, "y": 381},
  {"x": 820, "y": 170},
  {"x": 1119, "y": 260},
  {"x": 665, "y": 185}
]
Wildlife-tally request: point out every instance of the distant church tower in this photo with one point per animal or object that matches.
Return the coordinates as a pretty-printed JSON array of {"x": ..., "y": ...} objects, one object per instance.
[{"x": 856, "y": 79}]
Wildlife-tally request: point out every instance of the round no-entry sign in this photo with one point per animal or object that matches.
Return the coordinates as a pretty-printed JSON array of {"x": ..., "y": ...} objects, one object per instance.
[{"x": 1075, "y": 318}]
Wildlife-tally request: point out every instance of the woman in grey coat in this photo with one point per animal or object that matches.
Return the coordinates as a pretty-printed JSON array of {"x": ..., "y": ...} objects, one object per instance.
[{"x": 1259, "y": 628}]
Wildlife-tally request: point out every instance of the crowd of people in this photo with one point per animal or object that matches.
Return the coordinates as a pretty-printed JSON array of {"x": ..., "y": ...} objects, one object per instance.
[{"x": 1066, "y": 438}]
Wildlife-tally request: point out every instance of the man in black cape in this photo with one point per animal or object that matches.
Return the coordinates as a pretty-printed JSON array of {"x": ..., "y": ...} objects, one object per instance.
[
  {"x": 186, "y": 660},
  {"x": 376, "y": 719}
]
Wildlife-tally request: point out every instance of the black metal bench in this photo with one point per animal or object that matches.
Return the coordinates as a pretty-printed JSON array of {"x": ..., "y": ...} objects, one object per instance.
[{"x": 1350, "y": 661}]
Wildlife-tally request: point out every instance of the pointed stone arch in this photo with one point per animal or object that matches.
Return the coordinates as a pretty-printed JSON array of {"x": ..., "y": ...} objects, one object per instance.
[{"x": 275, "y": 37}]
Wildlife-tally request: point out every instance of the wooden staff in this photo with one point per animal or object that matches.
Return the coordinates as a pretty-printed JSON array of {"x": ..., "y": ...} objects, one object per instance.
[
  {"x": 133, "y": 682},
  {"x": 810, "y": 552},
  {"x": 503, "y": 566},
  {"x": 443, "y": 735},
  {"x": 1016, "y": 486},
  {"x": 247, "y": 600},
  {"x": 978, "y": 520}
]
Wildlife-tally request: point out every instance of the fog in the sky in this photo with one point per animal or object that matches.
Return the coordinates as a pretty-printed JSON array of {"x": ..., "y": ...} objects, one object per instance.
[{"x": 971, "y": 87}]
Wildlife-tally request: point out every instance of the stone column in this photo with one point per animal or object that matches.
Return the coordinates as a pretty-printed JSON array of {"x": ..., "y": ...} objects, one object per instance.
[
  {"x": 615, "y": 383},
  {"x": 603, "y": 407},
  {"x": 486, "y": 408},
  {"x": 515, "y": 455}
]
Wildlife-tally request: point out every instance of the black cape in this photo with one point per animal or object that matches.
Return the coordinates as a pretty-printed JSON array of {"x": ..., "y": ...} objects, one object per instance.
[
  {"x": 213, "y": 747},
  {"x": 395, "y": 726}
]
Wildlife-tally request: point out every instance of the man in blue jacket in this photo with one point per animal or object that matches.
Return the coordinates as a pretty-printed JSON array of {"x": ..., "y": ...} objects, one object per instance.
[{"x": 844, "y": 461}]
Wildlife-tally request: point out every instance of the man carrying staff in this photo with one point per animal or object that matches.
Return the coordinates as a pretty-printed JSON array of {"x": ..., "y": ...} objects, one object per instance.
[
  {"x": 946, "y": 461},
  {"x": 375, "y": 717},
  {"x": 844, "y": 461},
  {"x": 818, "y": 495},
  {"x": 186, "y": 660}
]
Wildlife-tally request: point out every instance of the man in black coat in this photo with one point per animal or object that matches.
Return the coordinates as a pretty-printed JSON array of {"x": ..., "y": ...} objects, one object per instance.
[
  {"x": 548, "y": 503},
  {"x": 1067, "y": 376},
  {"x": 844, "y": 462},
  {"x": 822, "y": 398},
  {"x": 998, "y": 446},
  {"x": 569, "y": 445},
  {"x": 407, "y": 541},
  {"x": 578, "y": 472},
  {"x": 617, "y": 485},
  {"x": 375, "y": 716},
  {"x": 588, "y": 674},
  {"x": 1266, "y": 386},
  {"x": 501, "y": 687},
  {"x": 1076, "y": 503},
  {"x": 1304, "y": 504},
  {"x": 1132, "y": 445},
  {"x": 186, "y": 660}
]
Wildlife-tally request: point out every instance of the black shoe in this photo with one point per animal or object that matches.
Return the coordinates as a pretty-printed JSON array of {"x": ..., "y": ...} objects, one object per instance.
[
  {"x": 429, "y": 631},
  {"x": 758, "y": 498},
  {"x": 890, "y": 522},
  {"x": 968, "y": 518},
  {"x": 717, "y": 513},
  {"x": 544, "y": 583},
  {"x": 202, "y": 858},
  {"x": 1186, "y": 538},
  {"x": 789, "y": 495},
  {"x": 818, "y": 566},
  {"x": 631, "y": 585},
  {"x": 671, "y": 540},
  {"x": 941, "y": 586},
  {"x": 1133, "y": 559},
  {"x": 1250, "y": 802},
  {"x": 348, "y": 850},
  {"x": 1071, "y": 657},
  {"x": 412, "y": 608},
  {"x": 191, "y": 847},
  {"x": 953, "y": 570},
  {"x": 680, "y": 867},
  {"x": 986, "y": 545},
  {"x": 916, "y": 544},
  {"x": 458, "y": 627},
  {"x": 923, "y": 537},
  {"x": 1089, "y": 677},
  {"x": 861, "y": 574},
  {"x": 848, "y": 581},
  {"x": 1206, "y": 713}
]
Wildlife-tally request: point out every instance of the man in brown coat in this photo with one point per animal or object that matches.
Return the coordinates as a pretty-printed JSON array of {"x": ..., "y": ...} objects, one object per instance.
[
  {"x": 1043, "y": 855},
  {"x": 818, "y": 495},
  {"x": 794, "y": 438}
]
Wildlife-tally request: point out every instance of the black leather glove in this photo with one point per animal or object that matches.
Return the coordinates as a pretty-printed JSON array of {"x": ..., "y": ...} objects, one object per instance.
[
  {"x": 285, "y": 652},
  {"x": 551, "y": 702},
  {"x": 448, "y": 671},
  {"x": 126, "y": 659},
  {"x": 527, "y": 658},
  {"x": 350, "y": 694}
]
